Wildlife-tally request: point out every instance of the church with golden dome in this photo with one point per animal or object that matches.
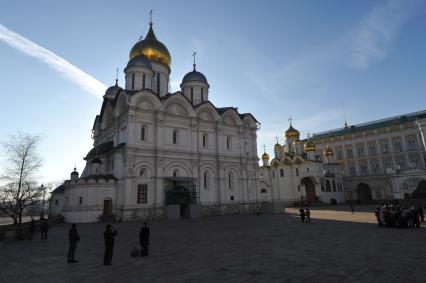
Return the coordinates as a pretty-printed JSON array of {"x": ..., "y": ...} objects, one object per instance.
[
  {"x": 299, "y": 174},
  {"x": 158, "y": 154}
]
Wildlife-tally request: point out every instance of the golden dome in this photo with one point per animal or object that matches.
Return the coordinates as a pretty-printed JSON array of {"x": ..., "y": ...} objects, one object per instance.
[
  {"x": 292, "y": 133},
  {"x": 152, "y": 49},
  {"x": 265, "y": 156},
  {"x": 309, "y": 146},
  {"x": 277, "y": 147},
  {"x": 328, "y": 151}
]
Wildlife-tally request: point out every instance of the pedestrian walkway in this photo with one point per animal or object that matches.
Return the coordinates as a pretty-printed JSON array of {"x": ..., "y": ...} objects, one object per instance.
[{"x": 244, "y": 248}]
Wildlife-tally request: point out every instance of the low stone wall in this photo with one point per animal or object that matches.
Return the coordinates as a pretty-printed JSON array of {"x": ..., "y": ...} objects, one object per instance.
[{"x": 11, "y": 231}]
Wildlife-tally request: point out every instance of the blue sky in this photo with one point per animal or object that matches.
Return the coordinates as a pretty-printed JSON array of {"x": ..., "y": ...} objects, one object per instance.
[{"x": 315, "y": 61}]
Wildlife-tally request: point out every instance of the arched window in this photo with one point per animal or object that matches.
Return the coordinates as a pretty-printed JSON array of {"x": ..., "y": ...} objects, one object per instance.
[
  {"x": 175, "y": 173},
  {"x": 273, "y": 174},
  {"x": 175, "y": 136},
  {"x": 202, "y": 94},
  {"x": 143, "y": 81},
  {"x": 228, "y": 143},
  {"x": 328, "y": 186},
  {"x": 263, "y": 191},
  {"x": 282, "y": 172},
  {"x": 334, "y": 186},
  {"x": 133, "y": 81},
  {"x": 158, "y": 83},
  {"x": 204, "y": 140},
  {"x": 206, "y": 179},
  {"x": 192, "y": 94},
  {"x": 142, "y": 172},
  {"x": 230, "y": 180},
  {"x": 143, "y": 133},
  {"x": 297, "y": 171}
]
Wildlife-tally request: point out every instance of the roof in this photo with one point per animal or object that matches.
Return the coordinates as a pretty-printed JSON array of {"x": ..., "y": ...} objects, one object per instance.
[
  {"x": 103, "y": 148},
  {"x": 59, "y": 189},
  {"x": 97, "y": 177},
  {"x": 395, "y": 120},
  {"x": 195, "y": 76}
]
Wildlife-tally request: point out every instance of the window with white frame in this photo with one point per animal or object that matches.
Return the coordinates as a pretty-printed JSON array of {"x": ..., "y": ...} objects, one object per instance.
[{"x": 142, "y": 194}]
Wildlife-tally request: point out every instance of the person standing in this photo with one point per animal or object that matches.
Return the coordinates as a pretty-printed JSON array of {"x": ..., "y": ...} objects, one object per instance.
[
  {"x": 421, "y": 213},
  {"x": 44, "y": 227},
  {"x": 73, "y": 239},
  {"x": 31, "y": 230},
  {"x": 308, "y": 215},
  {"x": 144, "y": 239},
  {"x": 302, "y": 215},
  {"x": 258, "y": 210},
  {"x": 352, "y": 208},
  {"x": 109, "y": 234}
]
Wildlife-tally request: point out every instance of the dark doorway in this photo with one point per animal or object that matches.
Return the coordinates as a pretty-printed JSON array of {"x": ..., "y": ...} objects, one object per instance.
[
  {"x": 107, "y": 207},
  {"x": 181, "y": 191},
  {"x": 420, "y": 191},
  {"x": 309, "y": 189},
  {"x": 364, "y": 192}
]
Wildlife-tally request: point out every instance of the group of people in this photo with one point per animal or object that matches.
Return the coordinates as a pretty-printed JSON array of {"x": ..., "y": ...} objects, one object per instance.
[
  {"x": 44, "y": 228},
  {"x": 109, "y": 236},
  {"x": 305, "y": 215},
  {"x": 393, "y": 215}
]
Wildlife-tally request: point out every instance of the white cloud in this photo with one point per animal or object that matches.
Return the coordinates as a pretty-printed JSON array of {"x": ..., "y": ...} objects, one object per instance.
[
  {"x": 372, "y": 38},
  {"x": 65, "y": 68}
]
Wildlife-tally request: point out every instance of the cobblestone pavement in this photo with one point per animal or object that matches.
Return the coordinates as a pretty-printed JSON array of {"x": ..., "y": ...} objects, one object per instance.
[{"x": 344, "y": 247}]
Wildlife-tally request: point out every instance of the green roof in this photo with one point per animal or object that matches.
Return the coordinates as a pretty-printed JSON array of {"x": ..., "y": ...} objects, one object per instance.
[{"x": 395, "y": 120}]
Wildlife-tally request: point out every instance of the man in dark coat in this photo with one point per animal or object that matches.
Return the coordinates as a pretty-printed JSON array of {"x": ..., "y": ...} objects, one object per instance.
[
  {"x": 109, "y": 235},
  {"x": 144, "y": 239},
  {"x": 44, "y": 227},
  {"x": 73, "y": 238}
]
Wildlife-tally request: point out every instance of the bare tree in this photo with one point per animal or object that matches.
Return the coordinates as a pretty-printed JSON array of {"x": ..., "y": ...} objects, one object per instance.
[{"x": 18, "y": 189}]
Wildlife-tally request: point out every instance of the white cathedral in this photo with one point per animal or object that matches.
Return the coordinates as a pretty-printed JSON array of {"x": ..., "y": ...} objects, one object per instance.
[
  {"x": 160, "y": 154},
  {"x": 297, "y": 174},
  {"x": 175, "y": 155}
]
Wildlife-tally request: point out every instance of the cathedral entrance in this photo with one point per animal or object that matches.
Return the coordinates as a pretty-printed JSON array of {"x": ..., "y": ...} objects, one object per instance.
[
  {"x": 107, "y": 211},
  {"x": 309, "y": 189},
  {"x": 420, "y": 191},
  {"x": 181, "y": 191},
  {"x": 364, "y": 192}
]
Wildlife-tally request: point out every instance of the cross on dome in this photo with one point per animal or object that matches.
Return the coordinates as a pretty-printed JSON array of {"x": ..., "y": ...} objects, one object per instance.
[{"x": 193, "y": 55}]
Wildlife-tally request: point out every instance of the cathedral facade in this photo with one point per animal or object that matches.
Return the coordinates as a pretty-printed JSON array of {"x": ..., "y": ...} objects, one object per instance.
[
  {"x": 299, "y": 174},
  {"x": 159, "y": 154}
]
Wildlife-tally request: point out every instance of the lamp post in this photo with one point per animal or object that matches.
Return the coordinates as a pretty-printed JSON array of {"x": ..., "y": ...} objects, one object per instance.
[{"x": 42, "y": 206}]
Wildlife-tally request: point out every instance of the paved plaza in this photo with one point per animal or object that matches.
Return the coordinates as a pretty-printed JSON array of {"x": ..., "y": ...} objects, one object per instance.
[{"x": 336, "y": 247}]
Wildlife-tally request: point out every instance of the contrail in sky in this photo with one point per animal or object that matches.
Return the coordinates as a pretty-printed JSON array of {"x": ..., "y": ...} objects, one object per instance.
[{"x": 68, "y": 70}]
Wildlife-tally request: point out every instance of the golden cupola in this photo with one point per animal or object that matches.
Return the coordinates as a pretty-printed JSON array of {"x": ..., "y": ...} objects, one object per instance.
[
  {"x": 328, "y": 151},
  {"x": 277, "y": 147},
  {"x": 152, "y": 49},
  {"x": 309, "y": 146},
  {"x": 292, "y": 133},
  {"x": 265, "y": 156}
]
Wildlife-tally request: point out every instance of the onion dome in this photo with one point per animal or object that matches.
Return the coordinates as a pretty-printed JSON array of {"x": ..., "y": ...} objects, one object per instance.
[
  {"x": 292, "y": 133},
  {"x": 112, "y": 91},
  {"x": 277, "y": 147},
  {"x": 309, "y": 146},
  {"x": 74, "y": 173},
  {"x": 152, "y": 49},
  {"x": 265, "y": 156},
  {"x": 139, "y": 61},
  {"x": 194, "y": 76},
  {"x": 328, "y": 151}
]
